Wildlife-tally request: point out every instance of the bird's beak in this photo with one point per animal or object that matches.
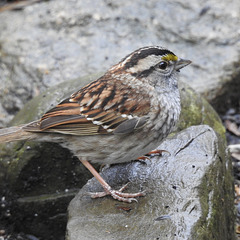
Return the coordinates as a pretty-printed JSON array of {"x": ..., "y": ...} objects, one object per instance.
[{"x": 182, "y": 63}]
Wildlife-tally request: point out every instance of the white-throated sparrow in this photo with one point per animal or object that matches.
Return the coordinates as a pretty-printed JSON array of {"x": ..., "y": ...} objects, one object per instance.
[{"x": 119, "y": 117}]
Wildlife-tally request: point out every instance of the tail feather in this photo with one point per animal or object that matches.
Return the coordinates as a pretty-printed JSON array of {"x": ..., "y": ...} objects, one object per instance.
[{"x": 15, "y": 134}]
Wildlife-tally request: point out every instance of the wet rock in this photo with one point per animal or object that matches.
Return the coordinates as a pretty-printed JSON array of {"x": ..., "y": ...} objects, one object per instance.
[
  {"x": 54, "y": 41},
  {"x": 190, "y": 195}
]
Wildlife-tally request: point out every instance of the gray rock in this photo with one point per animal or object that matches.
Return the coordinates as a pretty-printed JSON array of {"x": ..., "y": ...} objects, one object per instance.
[
  {"x": 58, "y": 40},
  {"x": 190, "y": 195}
]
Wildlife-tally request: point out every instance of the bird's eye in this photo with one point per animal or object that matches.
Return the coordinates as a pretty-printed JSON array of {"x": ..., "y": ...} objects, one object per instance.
[{"x": 163, "y": 65}]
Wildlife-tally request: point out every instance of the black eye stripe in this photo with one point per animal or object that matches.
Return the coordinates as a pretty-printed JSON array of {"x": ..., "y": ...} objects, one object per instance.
[{"x": 144, "y": 73}]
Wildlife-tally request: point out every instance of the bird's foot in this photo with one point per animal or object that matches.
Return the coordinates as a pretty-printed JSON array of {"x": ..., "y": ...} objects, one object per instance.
[
  {"x": 152, "y": 153},
  {"x": 118, "y": 194}
]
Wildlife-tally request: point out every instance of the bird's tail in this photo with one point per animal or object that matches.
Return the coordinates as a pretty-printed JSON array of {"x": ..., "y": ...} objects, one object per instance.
[{"x": 15, "y": 134}]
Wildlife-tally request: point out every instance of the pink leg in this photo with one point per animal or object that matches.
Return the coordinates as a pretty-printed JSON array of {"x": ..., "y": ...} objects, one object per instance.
[
  {"x": 119, "y": 195},
  {"x": 153, "y": 152}
]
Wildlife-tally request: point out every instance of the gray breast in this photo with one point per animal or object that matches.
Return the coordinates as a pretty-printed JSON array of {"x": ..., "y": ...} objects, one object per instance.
[{"x": 169, "y": 114}]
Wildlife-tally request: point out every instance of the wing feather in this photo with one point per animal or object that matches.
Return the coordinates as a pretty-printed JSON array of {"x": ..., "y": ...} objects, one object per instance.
[{"x": 98, "y": 108}]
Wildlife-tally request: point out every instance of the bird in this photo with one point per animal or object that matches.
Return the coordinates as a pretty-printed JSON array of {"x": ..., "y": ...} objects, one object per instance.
[{"x": 117, "y": 118}]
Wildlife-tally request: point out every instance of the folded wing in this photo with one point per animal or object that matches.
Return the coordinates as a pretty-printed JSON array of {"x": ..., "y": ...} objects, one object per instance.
[{"x": 102, "y": 107}]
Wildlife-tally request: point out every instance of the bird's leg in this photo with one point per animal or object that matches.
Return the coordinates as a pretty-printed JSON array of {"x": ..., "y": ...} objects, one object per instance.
[
  {"x": 157, "y": 152},
  {"x": 153, "y": 152},
  {"x": 119, "y": 195}
]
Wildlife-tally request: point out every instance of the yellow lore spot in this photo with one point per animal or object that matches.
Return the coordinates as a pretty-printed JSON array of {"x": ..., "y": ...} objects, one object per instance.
[{"x": 170, "y": 57}]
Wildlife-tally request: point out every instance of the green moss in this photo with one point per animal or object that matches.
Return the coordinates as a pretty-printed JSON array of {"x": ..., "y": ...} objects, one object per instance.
[
  {"x": 217, "y": 220},
  {"x": 196, "y": 110},
  {"x": 212, "y": 119}
]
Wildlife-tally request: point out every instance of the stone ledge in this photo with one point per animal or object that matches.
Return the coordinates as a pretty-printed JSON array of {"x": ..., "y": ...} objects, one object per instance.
[{"x": 190, "y": 195}]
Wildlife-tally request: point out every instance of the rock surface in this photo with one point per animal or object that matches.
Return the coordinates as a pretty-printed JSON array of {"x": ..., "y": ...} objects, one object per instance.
[
  {"x": 189, "y": 195},
  {"x": 58, "y": 40}
]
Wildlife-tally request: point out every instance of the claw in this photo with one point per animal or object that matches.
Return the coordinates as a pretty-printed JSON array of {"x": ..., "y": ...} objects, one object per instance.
[
  {"x": 154, "y": 152},
  {"x": 157, "y": 152}
]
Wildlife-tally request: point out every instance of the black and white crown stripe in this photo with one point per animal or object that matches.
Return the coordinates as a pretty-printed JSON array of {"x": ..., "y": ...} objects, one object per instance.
[{"x": 150, "y": 53}]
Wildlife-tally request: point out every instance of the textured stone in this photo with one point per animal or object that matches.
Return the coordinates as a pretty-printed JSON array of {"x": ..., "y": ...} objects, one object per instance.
[{"x": 190, "y": 195}]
